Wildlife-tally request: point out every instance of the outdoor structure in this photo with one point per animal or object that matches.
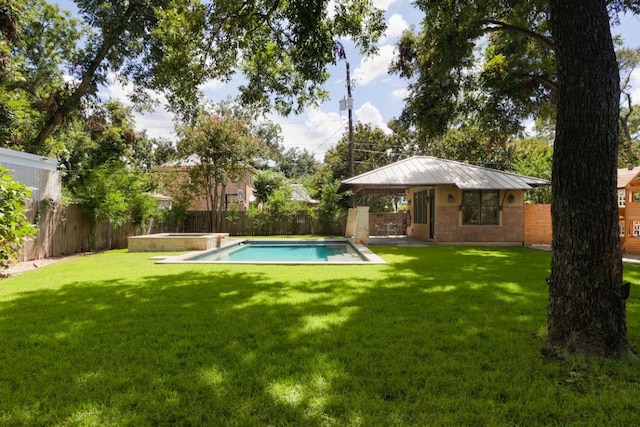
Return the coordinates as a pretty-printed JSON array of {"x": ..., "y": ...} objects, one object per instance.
[
  {"x": 629, "y": 208},
  {"x": 451, "y": 202},
  {"x": 237, "y": 195},
  {"x": 300, "y": 194},
  {"x": 38, "y": 173},
  {"x": 162, "y": 201}
]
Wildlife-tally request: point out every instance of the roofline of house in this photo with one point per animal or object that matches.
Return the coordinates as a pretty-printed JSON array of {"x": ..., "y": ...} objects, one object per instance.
[{"x": 19, "y": 158}]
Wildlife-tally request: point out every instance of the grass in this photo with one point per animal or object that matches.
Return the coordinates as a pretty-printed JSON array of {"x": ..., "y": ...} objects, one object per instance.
[{"x": 439, "y": 336}]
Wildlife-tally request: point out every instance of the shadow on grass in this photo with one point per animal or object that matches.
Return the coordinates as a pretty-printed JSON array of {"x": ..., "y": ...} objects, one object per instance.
[{"x": 444, "y": 337}]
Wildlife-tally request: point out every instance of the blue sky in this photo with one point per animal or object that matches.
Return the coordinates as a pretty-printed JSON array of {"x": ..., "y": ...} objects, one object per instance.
[{"x": 377, "y": 96}]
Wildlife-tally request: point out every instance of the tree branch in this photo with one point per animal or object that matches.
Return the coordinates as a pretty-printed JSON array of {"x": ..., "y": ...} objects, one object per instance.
[
  {"x": 494, "y": 25},
  {"x": 85, "y": 85}
]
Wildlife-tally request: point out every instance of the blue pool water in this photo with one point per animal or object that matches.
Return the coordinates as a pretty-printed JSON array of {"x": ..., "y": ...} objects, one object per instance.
[{"x": 293, "y": 251}]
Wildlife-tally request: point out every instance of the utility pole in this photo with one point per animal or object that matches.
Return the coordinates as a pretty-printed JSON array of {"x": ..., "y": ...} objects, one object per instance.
[{"x": 350, "y": 108}]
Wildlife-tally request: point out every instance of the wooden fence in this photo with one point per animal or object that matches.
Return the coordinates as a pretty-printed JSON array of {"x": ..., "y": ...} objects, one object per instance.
[{"x": 66, "y": 229}]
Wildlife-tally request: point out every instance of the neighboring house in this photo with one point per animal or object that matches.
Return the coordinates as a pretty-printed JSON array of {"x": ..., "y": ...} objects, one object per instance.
[
  {"x": 39, "y": 173},
  {"x": 300, "y": 194},
  {"x": 453, "y": 202},
  {"x": 629, "y": 208},
  {"x": 237, "y": 194}
]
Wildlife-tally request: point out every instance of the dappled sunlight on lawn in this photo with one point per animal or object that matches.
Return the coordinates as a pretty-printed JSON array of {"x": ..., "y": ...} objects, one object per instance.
[
  {"x": 399, "y": 344},
  {"x": 326, "y": 321}
]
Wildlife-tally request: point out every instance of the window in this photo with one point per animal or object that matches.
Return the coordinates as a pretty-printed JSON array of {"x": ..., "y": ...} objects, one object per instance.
[
  {"x": 621, "y": 198},
  {"x": 480, "y": 207},
  {"x": 420, "y": 202}
]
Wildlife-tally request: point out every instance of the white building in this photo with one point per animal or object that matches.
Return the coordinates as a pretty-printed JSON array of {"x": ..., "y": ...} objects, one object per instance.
[{"x": 39, "y": 173}]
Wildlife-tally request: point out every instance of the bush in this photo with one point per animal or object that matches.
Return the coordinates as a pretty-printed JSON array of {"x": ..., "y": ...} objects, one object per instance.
[{"x": 15, "y": 228}]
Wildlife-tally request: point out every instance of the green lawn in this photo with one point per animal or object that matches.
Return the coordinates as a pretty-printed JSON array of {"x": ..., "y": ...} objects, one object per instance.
[{"x": 439, "y": 336}]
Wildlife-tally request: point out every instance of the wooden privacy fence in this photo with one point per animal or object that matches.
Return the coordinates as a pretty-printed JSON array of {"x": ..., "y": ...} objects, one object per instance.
[{"x": 66, "y": 229}]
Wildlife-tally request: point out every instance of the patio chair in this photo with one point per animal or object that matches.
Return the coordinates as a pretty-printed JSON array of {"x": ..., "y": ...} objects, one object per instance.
[{"x": 381, "y": 230}]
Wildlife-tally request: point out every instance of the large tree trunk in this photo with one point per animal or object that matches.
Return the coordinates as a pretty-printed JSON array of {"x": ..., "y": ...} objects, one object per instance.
[{"x": 586, "y": 312}]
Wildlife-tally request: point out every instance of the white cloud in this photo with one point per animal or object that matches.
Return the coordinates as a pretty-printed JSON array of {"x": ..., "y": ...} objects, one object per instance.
[
  {"x": 396, "y": 25},
  {"x": 400, "y": 93},
  {"x": 368, "y": 113},
  {"x": 317, "y": 132},
  {"x": 383, "y": 4},
  {"x": 211, "y": 85},
  {"x": 635, "y": 84},
  {"x": 157, "y": 123},
  {"x": 374, "y": 67}
]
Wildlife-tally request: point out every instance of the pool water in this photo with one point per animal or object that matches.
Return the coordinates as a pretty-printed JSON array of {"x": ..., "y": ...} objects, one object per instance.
[{"x": 283, "y": 251}]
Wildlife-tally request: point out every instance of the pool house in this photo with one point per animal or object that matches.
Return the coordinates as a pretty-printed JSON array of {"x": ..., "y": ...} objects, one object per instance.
[{"x": 448, "y": 201}]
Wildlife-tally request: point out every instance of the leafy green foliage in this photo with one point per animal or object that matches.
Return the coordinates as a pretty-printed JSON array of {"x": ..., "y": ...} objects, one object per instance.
[
  {"x": 280, "y": 207},
  {"x": 517, "y": 77},
  {"x": 331, "y": 203},
  {"x": 629, "y": 149},
  {"x": 15, "y": 229},
  {"x": 44, "y": 43},
  {"x": 174, "y": 47},
  {"x": 372, "y": 148},
  {"x": 534, "y": 157},
  {"x": 115, "y": 194},
  {"x": 266, "y": 183},
  {"x": 220, "y": 149},
  {"x": 296, "y": 163},
  {"x": 473, "y": 145}
]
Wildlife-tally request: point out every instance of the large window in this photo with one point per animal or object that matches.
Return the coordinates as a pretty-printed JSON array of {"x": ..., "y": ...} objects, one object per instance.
[
  {"x": 420, "y": 202},
  {"x": 480, "y": 207}
]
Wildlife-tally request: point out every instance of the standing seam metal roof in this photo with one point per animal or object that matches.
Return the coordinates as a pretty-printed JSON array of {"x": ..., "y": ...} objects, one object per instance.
[{"x": 426, "y": 170}]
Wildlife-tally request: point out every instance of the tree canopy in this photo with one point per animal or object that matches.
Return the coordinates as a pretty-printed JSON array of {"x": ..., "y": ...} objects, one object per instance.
[
  {"x": 173, "y": 47},
  {"x": 540, "y": 59}
]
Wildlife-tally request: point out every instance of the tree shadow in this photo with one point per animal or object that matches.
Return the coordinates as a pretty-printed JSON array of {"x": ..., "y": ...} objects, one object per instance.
[{"x": 376, "y": 345}]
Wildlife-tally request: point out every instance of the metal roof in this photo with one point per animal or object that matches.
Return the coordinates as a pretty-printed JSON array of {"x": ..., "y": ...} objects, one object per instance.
[
  {"x": 425, "y": 170},
  {"x": 300, "y": 194}
]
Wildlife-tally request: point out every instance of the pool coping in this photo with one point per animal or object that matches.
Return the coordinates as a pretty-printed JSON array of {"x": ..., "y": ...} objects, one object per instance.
[{"x": 371, "y": 258}]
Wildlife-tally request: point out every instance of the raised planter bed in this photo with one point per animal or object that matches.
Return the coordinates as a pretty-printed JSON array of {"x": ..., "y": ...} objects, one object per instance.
[{"x": 176, "y": 242}]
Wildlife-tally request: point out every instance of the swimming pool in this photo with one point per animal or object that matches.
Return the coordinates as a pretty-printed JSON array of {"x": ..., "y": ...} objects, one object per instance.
[{"x": 283, "y": 251}]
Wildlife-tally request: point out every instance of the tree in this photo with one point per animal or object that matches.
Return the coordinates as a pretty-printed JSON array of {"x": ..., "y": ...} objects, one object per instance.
[
  {"x": 372, "y": 148},
  {"x": 331, "y": 204},
  {"x": 534, "y": 157},
  {"x": 473, "y": 145},
  {"x": 41, "y": 42},
  {"x": 115, "y": 194},
  {"x": 586, "y": 313},
  {"x": 222, "y": 149},
  {"x": 447, "y": 85},
  {"x": 15, "y": 229},
  {"x": 282, "y": 48},
  {"x": 266, "y": 183},
  {"x": 296, "y": 163}
]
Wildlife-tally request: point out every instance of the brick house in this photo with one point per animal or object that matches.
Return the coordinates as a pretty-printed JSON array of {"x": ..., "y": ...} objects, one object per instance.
[
  {"x": 237, "y": 195},
  {"x": 453, "y": 202},
  {"x": 629, "y": 208}
]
